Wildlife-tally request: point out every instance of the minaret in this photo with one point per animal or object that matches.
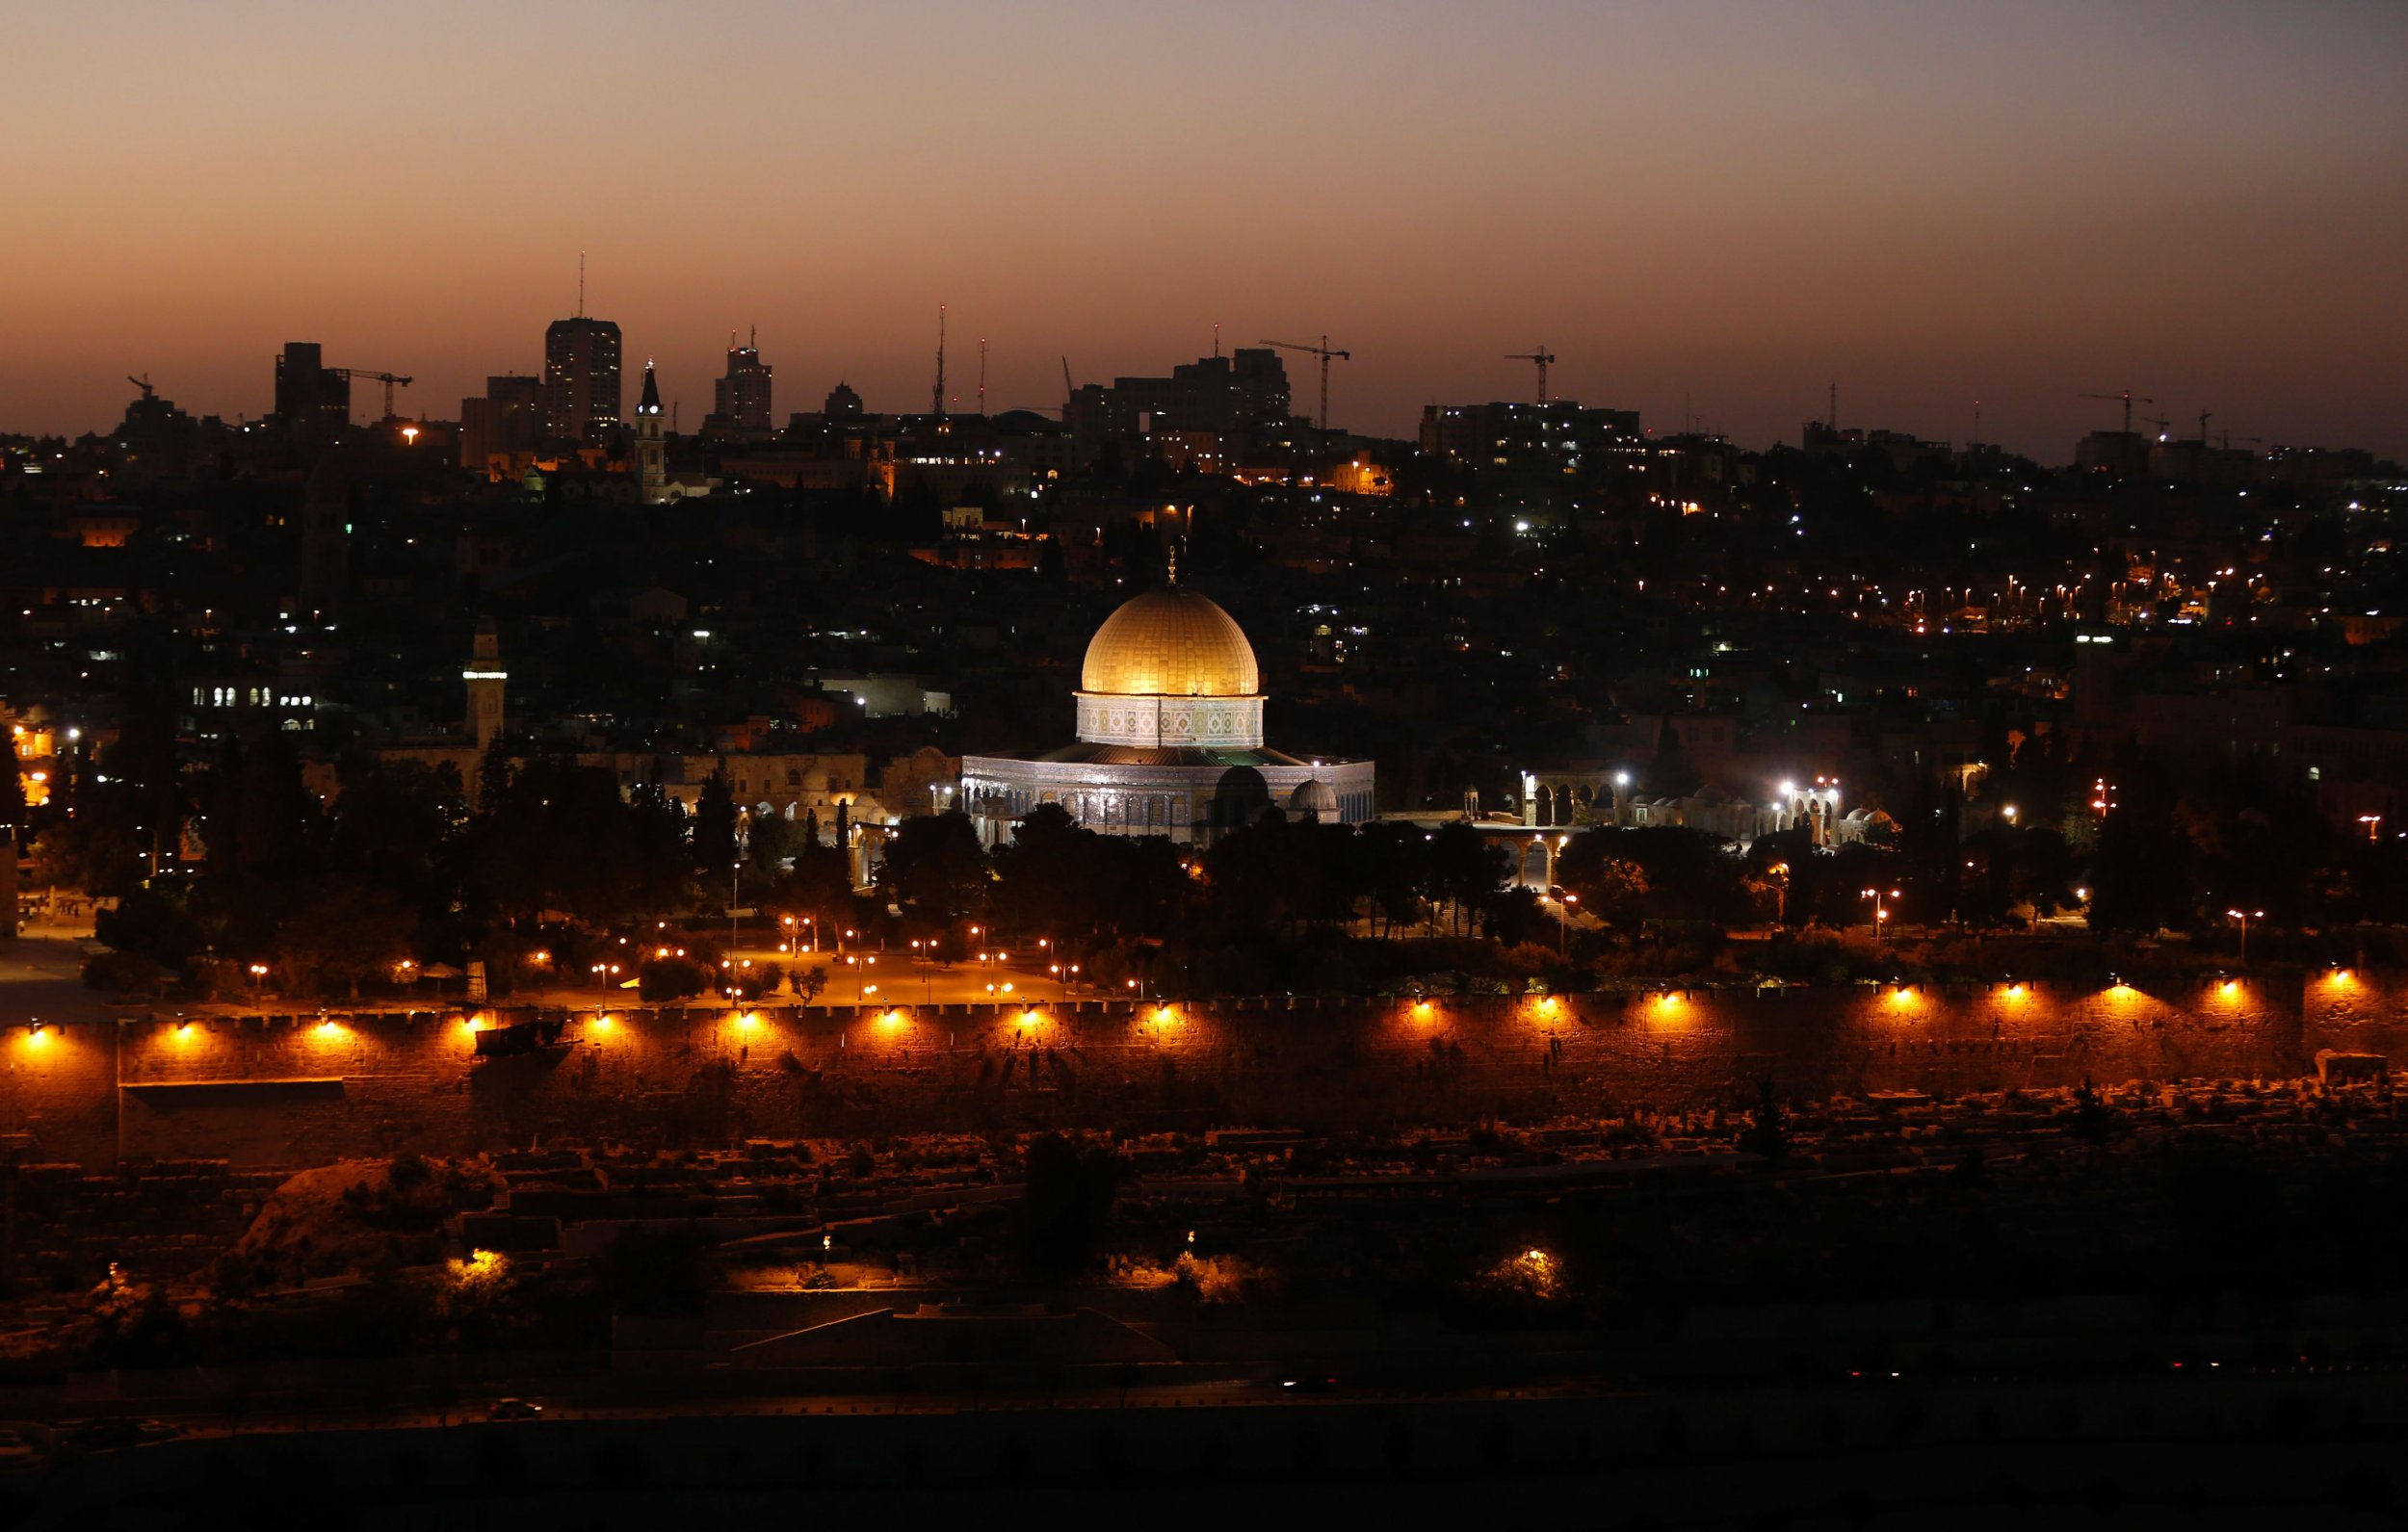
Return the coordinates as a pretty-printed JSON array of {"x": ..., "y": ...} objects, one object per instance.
[
  {"x": 651, "y": 451},
  {"x": 486, "y": 680}
]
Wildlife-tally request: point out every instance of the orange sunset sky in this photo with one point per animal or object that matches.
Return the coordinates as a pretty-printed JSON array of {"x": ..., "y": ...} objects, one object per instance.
[{"x": 1713, "y": 207}]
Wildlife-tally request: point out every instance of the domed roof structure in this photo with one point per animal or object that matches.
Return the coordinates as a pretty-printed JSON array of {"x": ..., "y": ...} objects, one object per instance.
[
  {"x": 1316, "y": 798},
  {"x": 1169, "y": 740},
  {"x": 1170, "y": 643}
]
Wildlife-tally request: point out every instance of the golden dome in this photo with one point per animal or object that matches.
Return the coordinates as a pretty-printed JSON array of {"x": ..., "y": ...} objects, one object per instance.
[{"x": 1171, "y": 644}]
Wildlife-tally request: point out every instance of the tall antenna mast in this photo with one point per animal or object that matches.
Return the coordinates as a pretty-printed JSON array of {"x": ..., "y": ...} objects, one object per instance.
[
  {"x": 581, "y": 284},
  {"x": 938, "y": 395},
  {"x": 1216, "y": 339},
  {"x": 1977, "y": 423},
  {"x": 982, "y": 375}
]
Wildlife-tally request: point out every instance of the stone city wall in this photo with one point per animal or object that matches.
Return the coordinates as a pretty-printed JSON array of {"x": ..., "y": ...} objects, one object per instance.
[{"x": 294, "y": 1090}]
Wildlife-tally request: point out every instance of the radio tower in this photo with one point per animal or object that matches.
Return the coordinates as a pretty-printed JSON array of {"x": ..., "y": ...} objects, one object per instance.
[
  {"x": 940, "y": 395},
  {"x": 982, "y": 376}
]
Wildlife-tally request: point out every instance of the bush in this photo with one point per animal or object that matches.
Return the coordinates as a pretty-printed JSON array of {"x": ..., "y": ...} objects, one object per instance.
[
  {"x": 752, "y": 983},
  {"x": 672, "y": 978}
]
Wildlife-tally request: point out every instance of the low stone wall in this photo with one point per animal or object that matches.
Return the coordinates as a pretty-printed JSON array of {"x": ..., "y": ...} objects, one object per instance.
[{"x": 277, "y": 1090}]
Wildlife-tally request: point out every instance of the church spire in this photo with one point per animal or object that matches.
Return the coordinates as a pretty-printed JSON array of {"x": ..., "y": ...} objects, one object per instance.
[{"x": 650, "y": 403}]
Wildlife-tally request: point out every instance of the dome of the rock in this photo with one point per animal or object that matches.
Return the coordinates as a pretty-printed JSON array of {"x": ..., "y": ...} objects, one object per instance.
[{"x": 1170, "y": 643}]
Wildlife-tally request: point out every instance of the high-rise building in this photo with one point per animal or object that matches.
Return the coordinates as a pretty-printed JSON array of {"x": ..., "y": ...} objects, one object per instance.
[
  {"x": 310, "y": 398},
  {"x": 742, "y": 399},
  {"x": 580, "y": 391},
  {"x": 500, "y": 429},
  {"x": 157, "y": 438},
  {"x": 651, "y": 450},
  {"x": 1233, "y": 395},
  {"x": 1555, "y": 438}
]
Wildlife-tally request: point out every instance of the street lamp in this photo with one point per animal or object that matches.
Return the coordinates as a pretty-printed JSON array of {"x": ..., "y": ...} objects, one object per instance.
[
  {"x": 1563, "y": 919},
  {"x": 1781, "y": 905},
  {"x": 1880, "y": 909},
  {"x": 2244, "y": 917}
]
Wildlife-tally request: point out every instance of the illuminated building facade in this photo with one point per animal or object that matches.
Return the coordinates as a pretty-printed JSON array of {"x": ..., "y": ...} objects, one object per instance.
[
  {"x": 741, "y": 400},
  {"x": 1170, "y": 742},
  {"x": 581, "y": 383},
  {"x": 1558, "y": 437},
  {"x": 651, "y": 447}
]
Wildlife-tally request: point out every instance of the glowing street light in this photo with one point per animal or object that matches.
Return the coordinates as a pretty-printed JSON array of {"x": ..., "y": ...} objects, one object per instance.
[
  {"x": 1880, "y": 907},
  {"x": 2244, "y": 917}
]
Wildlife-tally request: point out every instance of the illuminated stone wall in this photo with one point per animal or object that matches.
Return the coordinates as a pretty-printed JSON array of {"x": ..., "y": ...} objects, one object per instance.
[
  {"x": 2356, "y": 1011},
  {"x": 284, "y": 1091}
]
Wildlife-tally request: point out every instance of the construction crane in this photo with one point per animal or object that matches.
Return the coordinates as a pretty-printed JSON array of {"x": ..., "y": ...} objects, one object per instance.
[
  {"x": 1542, "y": 356},
  {"x": 144, "y": 383},
  {"x": 2130, "y": 398},
  {"x": 388, "y": 380},
  {"x": 1323, "y": 352},
  {"x": 1068, "y": 388},
  {"x": 2164, "y": 425}
]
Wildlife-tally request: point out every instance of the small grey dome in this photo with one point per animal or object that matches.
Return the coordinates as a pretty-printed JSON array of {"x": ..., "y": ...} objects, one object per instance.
[{"x": 1313, "y": 796}]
